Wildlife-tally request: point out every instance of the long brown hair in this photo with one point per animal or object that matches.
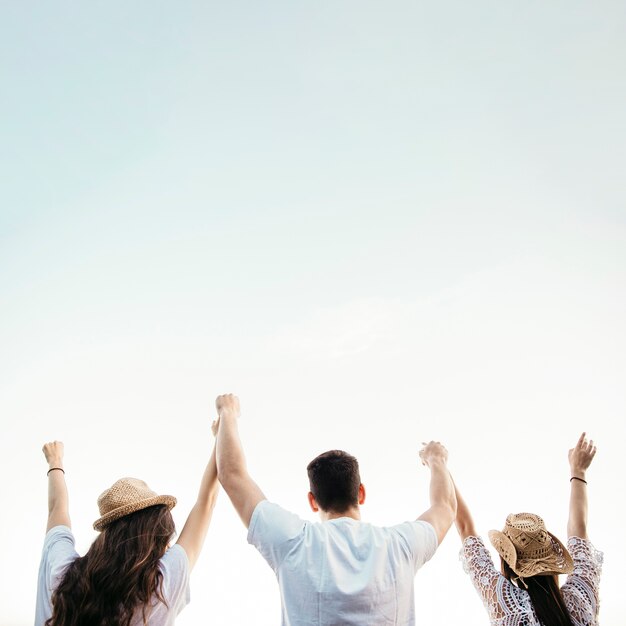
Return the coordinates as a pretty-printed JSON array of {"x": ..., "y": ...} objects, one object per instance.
[
  {"x": 545, "y": 595},
  {"x": 118, "y": 575}
]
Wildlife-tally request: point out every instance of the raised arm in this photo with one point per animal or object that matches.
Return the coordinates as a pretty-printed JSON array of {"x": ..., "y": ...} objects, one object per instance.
[
  {"x": 243, "y": 492},
  {"x": 58, "y": 500},
  {"x": 442, "y": 509},
  {"x": 580, "y": 457},
  {"x": 195, "y": 529},
  {"x": 463, "y": 521}
]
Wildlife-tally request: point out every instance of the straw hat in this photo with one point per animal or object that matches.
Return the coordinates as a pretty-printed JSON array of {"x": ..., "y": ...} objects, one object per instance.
[
  {"x": 529, "y": 549},
  {"x": 126, "y": 496}
]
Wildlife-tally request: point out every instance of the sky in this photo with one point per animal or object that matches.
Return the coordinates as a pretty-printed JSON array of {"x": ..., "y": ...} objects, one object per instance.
[{"x": 377, "y": 224}]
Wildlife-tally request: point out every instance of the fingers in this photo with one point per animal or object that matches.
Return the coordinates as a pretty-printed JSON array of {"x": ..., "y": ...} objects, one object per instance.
[
  {"x": 585, "y": 445},
  {"x": 53, "y": 450},
  {"x": 581, "y": 456},
  {"x": 227, "y": 404},
  {"x": 52, "y": 445},
  {"x": 588, "y": 447},
  {"x": 432, "y": 451}
]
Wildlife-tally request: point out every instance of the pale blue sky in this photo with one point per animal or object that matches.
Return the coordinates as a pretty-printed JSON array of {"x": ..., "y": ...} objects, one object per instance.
[{"x": 378, "y": 223}]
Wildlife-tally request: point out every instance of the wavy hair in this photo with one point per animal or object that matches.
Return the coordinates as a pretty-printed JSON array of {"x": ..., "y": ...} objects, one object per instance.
[
  {"x": 119, "y": 574},
  {"x": 545, "y": 596}
]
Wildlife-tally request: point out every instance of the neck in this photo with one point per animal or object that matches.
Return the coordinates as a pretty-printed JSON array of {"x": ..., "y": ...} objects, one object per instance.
[{"x": 353, "y": 513}]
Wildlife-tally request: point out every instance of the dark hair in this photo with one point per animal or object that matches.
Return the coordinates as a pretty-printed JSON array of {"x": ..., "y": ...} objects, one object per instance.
[
  {"x": 334, "y": 480},
  {"x": 118, "y": 575},
  {"x": 545, "y": 595}
]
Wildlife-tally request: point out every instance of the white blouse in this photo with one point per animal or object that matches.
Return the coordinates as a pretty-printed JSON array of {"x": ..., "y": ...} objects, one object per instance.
[{"x": 509, "y": 605}]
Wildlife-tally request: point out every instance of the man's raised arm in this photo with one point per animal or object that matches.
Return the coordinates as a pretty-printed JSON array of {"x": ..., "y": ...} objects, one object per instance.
[
  {"x": 243, "y": 492},
  {"x": 442, "y": 509}
]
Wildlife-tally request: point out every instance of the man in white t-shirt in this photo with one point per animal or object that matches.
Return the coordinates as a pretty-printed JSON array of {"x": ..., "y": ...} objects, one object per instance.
[{"x": 341, "y": 571}]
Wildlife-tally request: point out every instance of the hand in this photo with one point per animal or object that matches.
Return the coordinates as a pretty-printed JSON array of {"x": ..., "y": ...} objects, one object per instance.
[
  {"x": 227, "y": 406},
  {"x": 53, "y": 452},
  {"x": 581, "y": 455},
  {"x": 433, "y": 452}
]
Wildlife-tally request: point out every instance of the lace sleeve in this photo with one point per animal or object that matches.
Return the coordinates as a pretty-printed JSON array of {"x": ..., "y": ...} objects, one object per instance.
[
  {"x": 502, "y": 599},
  {"x": 581, "y": 589}
]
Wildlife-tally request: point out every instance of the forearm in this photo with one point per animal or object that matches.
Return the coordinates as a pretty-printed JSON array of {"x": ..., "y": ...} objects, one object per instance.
[
  {"x": 442, "y": 509},
  {"x": 231, "y": 460},
  {"x": 58, "y": 498},
  {"x": 195, "y": 529},
  {"x": 577, "y": 522},
  {"x": 209, "y": 485},
  {"x": 463, "y": 521},
  {"x": 442, "y": 493}
]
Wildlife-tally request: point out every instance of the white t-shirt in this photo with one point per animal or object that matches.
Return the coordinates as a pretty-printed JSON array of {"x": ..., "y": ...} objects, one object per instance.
[
  {"x": 59, "y": 552},
  {"x": 342, "y": 571}
]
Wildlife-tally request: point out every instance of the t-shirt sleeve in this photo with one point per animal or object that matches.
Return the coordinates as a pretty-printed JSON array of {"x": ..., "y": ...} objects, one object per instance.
[
  {"x": 419, "y": 539},
  {"x": 273, "y": 531},
  {"x": 58, "y": 552},
  {"x": 175, "y": 567}
]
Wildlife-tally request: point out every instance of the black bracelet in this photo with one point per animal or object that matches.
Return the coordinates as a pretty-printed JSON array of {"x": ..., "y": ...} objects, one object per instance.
[
  {"x": 582, "y": 480},
  {"x": 53, "y": 468}
]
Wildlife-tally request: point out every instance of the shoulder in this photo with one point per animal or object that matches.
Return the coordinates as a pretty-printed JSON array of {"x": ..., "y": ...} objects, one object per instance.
[
  {"x": 59, "y": 534},
  {"x": 581, "y": 589},
  {"x": 269, "y": 515},
  {"x": 57, "y": 554},
  {"x": 417, "y": 539},
  {"x": 174, "y": 566},
  {"x": 417, "y": 531},
  {"x": 58, "y": 546},
  {"x": 274, "y": 531},
  {"x": 175, "y": 559}
]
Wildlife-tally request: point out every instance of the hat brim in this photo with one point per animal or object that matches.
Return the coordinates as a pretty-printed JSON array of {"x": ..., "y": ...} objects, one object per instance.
[
  {"x": 505, "y": 548},
  {"x": 559, "y": 562},
  {"x": 132, "y": 507}
]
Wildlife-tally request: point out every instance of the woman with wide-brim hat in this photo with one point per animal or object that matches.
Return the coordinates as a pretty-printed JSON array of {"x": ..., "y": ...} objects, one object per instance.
[
  {"x": 527, "y": 592},
  {"x": 130, "y": 575}
]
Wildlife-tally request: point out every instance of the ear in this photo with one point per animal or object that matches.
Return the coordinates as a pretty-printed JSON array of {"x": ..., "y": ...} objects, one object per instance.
[
  {"x": 361, "y": 493},
  {"x": 313, "y": 503}
]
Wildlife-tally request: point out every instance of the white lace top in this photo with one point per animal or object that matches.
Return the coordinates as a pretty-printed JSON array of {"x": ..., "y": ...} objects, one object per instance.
[{"x": 508, "y": 605}]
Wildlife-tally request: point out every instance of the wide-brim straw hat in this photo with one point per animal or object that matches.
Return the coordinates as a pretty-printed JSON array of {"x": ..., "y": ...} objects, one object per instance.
[
  {"x": 529, "y": 549},
  {"x": 126, "y": 496}
]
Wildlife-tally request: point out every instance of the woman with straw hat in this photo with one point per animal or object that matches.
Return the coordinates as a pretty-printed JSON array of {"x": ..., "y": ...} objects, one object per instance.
[
  {"x": 527, "y": 592},
  {"x": 130, "y": 575}
]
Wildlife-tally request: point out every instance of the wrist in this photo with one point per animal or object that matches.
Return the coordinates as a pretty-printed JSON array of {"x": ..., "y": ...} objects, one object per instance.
[
  {"x": 55, "y": 463},
  {"x": 578, "y": 473}
]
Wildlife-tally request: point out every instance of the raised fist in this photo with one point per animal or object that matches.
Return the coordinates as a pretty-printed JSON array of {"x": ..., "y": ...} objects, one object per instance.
[
  {"x": 227, "y": 406},
  {"x": 433, "y": 451}
]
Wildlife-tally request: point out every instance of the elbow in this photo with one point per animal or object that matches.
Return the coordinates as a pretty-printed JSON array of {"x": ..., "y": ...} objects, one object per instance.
[
  {"x": 465, "y": 529},
  {"x": 229, "y": 476},
  {"x": 446, "y": 514},
  {"x": 577, "y": 530}
]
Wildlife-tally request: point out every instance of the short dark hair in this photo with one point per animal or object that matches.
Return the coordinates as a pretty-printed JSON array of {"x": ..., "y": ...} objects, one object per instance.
[{"x": 334, "y": 480}]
